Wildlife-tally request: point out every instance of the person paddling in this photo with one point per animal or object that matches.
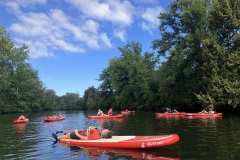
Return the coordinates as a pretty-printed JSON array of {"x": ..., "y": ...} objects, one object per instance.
[
  {"x": 110, "y": 112},
  {"x": 22, "y": 117},
  {"x": 91, "y": 133},
  {"x": 100, "y": 112}
]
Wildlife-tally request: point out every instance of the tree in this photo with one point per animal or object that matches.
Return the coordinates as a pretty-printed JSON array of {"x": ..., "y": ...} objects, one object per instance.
[
  {"x": 222, "y": 55},
  {"x": 107, "y": 97},
  {"x": 182, "y": 28},
  {"x": 20, "y": 88},
  {"x": 130, "y": 76},
  {"x": 69, "y": 101},
  {"x": 200, "y": 40}
]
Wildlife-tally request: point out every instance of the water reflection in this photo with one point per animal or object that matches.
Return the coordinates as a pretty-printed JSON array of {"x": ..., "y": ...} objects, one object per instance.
[
  {"x": 96, "y": 153},
  {"x": 20, "y": 127}
]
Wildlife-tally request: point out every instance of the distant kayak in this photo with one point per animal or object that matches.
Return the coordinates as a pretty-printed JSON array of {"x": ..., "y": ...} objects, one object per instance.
[
  {"x": 203, "y": 114},
  {"x": 127, "y": 112},
  {"x": 52, "y": 119},
  {"x": 20, "y": 121},
  {"x": 127, "y": 141},
  {"x": 105, "y": 117},
  {"x": 170, "y": 114}
]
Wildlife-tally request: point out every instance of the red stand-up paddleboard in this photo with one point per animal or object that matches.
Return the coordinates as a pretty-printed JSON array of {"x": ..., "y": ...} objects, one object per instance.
[{"x": 127, "y": 141}]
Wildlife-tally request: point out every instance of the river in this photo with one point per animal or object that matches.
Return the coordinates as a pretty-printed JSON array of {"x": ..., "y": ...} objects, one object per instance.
[{"x": 200, "y": 138}]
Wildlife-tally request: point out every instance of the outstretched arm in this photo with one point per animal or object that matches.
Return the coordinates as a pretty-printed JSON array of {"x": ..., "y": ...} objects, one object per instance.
[{"x": 80, "y": 136}]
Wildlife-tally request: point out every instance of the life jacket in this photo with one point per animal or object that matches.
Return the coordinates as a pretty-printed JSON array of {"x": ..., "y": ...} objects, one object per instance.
[{"x": 90, "y": 129}]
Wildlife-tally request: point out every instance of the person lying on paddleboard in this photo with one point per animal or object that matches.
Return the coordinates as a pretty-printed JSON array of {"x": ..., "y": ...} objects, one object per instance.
[{"x": 90, "y": 133}]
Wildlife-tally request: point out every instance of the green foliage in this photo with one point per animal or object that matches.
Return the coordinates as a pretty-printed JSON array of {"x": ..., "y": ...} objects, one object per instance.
[
  {"x": 182, "y": 28},
  {"x": 70, "y": 101},
  {"x": 20, "y": 88},
  {"x": 200, "y": 40},
  {"x": 222, "y": 55},
  {"x": 128, "y": 79}
]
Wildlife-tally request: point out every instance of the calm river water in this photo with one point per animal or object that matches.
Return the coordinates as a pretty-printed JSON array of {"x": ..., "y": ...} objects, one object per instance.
[{"x": 200, "y": 138}]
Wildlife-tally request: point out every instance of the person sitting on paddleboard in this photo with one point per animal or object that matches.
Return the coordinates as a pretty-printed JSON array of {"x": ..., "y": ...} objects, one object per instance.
[
  {"x": 110, "y": 112},
  {"x": 91, "y": 133},
  {"x": 22, "y": 117}
]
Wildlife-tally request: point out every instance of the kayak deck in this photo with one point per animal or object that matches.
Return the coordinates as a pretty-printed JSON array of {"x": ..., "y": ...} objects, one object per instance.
[
  {"x": 127, "y": 141},
  {"x": 170, "y": 114},
  {"x": 51, "y": 119},
  {"x": 20, "y": 121},
  {"x": 204, "y": 114}
]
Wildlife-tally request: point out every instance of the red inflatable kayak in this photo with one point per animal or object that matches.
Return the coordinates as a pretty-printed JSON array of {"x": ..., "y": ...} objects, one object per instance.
[
  {"x": 20, "y": 121},
  {"x": 203, "y": 114},
  {"x": 170, "y": 114},
  {"x": 127, "y": 141},
  {"x": 52, "y": 119},
  {"x": 105, "y": 117}
]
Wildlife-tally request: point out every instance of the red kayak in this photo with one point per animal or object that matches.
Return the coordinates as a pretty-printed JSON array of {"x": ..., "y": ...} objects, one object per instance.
[
  {"x": 105, "y": 117},
  {"x": 127, "y": 141},
  {"x": 170, "y": 114},
  {"x": 52, "y": 119},
  {"x": 203, "y": 114},
  {"x": 127, "y": 112},
  {"x": 20, "y": 121}
]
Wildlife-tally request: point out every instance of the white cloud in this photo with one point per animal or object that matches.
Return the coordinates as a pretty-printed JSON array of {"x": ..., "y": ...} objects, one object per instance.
[
  {"x": 150, "y": 20},
  {"x": 37, "y": 49},
  {"x": 91, "y": 26},
  {"x": 47, "y": 32},
  {"x": 105, "y": 40},
  {"x": 121, "y": 34},
  {"x": 113, "y": 11},
  {"x": 146, "y": 1},
  {"x": 57, "y": 29},
  {"x": 26, "y": 3}
]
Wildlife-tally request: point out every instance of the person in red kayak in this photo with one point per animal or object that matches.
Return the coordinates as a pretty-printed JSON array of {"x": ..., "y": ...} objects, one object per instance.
[
  {"x": 207, "y": 112},
  {"x": 100, "y": 113},
  {"x": 22, "y": 117},
  {"x": 91, "y": 133},
  {"x": 110, "y": 112}
]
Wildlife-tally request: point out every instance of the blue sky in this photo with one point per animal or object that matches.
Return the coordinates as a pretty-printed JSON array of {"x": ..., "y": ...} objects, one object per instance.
[{"x": 70, "y": 42}]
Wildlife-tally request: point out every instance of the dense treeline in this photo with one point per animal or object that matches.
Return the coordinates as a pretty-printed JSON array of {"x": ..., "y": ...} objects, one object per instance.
[
  {"x": 197, "y": 65},
  {"x": 20, "y": 87}
]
